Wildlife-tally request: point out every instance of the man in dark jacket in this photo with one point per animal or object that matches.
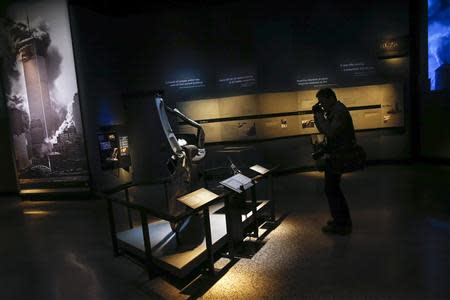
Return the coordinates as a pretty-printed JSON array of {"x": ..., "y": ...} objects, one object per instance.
[{"x": 333, "y": 119}]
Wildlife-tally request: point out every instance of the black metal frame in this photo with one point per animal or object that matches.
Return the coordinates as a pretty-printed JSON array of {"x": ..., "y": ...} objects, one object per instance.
[
  {"x": 255, "y": 203},
  {"x": 145, "y": 212}
]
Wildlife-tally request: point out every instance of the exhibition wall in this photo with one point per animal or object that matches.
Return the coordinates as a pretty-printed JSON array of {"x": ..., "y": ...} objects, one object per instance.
[
  {"x": 233, "y": 50},
  {"x": 236, "y": 51},
  {"x": 435, "y": 126},
  {"x": 99, "y": 79}
]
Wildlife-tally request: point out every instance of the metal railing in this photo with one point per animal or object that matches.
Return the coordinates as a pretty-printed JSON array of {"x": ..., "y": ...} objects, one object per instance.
[{"x": 146, "y": 212}]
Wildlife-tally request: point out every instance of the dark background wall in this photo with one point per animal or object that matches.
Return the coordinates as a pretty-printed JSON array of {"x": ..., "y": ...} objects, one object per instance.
[
  {"x": 275, "y": 43},
  {"x": 435, "y": 125},
  {"x": 100, "y": 87}
]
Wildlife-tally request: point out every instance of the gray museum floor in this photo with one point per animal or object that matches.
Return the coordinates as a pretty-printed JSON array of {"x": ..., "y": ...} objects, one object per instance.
[{"x": 399, "y": 248}]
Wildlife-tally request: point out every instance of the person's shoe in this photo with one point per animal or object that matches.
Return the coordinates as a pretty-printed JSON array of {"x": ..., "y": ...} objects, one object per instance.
[{"x": 337, "y": 229}]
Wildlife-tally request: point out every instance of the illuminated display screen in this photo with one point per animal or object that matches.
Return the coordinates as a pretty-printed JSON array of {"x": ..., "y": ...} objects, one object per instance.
[
  {"x": 123, "y": 143},
  {"x": 439, "y": 44},
  {"x": 105, "y": 145},
  {"x": 109, "y": 150}
]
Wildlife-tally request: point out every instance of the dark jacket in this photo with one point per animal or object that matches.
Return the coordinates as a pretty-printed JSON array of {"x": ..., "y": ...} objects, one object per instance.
[{"x": 337, "y": 125}]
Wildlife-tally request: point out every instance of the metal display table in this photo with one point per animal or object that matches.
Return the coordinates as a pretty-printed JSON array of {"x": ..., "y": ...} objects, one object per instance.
[{"x": 216, "y": 225}]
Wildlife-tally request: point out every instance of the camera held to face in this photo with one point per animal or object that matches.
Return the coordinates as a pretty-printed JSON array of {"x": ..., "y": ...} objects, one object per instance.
[{"x": 317, "y": 108}]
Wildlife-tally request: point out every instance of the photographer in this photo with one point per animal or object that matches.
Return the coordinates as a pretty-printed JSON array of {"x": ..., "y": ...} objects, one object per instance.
[{"x": 333, "y": 119}]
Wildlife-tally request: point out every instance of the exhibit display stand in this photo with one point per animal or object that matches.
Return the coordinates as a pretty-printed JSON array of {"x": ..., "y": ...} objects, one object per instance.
[
  {"x": 184, "y": 225},
  {"x": 213, "y": 225},
  {"x": 250, "y": 215}
]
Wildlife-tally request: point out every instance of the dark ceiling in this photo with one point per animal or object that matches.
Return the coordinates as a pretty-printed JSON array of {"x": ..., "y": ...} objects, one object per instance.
[{"x": 129, "y": 7}]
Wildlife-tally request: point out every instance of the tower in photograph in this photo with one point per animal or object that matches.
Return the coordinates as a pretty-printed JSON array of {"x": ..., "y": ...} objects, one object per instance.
[
  {"x": 31, "y": 48},
  {"x": 76, "y": 113}
]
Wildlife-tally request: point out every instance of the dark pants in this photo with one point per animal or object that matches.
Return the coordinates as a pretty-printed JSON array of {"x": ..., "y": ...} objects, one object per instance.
[{"x": 336, "y": 200}]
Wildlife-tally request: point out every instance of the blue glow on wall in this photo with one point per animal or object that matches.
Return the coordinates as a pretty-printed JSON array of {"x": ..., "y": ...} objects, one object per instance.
[
  {"x": 439, "y": 44},
  {"x": 105, "y": 116}
]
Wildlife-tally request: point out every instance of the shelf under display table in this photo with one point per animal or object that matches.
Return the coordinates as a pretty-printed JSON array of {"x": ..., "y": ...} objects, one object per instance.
[
  {"x": 243, "y": 213},
  {"x": 155, "y": 244}
]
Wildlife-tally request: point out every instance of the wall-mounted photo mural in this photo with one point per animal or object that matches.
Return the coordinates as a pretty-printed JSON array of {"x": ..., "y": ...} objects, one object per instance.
[
  {"x": 439, "y": 44},
  {"x": 42, "y": 94}
]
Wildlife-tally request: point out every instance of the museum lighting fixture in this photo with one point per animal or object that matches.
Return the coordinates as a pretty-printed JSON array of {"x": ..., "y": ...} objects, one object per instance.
[
  {"x": 314, "y": 174},
  {"x": 33, "y": 212},
  {"x": 396, "y": 61}
]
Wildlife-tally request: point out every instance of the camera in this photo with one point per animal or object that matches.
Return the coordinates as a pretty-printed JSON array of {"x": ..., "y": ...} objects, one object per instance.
[
  {"x": 319, "y": 151},
  {"x": 319, "y": 145},
  {"x": 317, "y": 108}
]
